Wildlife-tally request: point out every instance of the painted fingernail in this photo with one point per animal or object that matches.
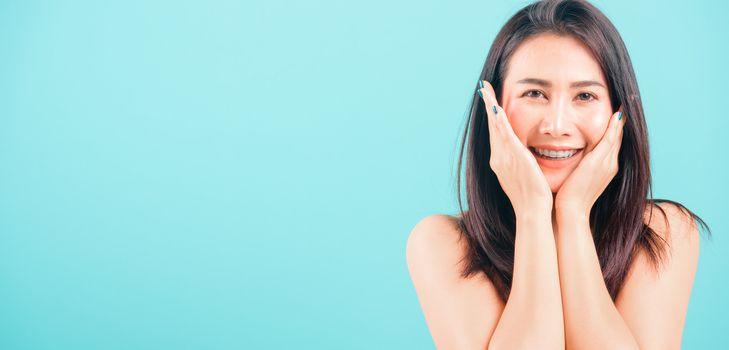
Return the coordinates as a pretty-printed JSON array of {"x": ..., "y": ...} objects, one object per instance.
[
  {"x": 620, "y": 115},
  {"x": 480, "y": 83},
  {"x": 479, "y": 93},
  {"x": 494, "y": 109}
]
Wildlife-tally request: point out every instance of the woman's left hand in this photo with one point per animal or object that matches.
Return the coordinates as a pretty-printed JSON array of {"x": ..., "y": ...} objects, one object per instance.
[{"x": 582, "y": 188}]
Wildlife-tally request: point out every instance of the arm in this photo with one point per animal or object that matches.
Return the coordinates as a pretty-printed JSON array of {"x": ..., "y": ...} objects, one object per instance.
[
  {"x": 591, "y": 320},
  {"x": 532, "y": 317},
  {"x": 653, "y": 302},
  {"x": 464, "y": 313},
  {"x": 651, "y": 308}
]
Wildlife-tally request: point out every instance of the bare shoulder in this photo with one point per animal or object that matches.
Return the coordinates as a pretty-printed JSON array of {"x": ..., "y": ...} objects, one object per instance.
[
  {"x": 435, "y": 248},
  {"x": 434, "y": 234},
  {"x": 674, "y": 214},
  {"x": 460, "y": 313},
  {"x": 677, "y": 228}
]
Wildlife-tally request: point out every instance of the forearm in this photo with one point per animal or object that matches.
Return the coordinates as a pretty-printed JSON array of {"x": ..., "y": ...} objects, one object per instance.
[
  {"x": 532, "y": 316},
  {"x": 591, "y": 319}
]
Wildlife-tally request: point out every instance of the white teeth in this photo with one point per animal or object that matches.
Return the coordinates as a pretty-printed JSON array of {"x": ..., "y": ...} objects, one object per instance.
[{"x": 556, "y": 154}]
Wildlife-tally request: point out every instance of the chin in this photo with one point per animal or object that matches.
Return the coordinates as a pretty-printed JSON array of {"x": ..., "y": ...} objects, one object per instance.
[
  {"x": 555, "y": 182},
  {"x": 555, "y": 188}
]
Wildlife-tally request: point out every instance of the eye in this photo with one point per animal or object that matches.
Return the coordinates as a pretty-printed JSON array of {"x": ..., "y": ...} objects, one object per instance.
[
  {"x": 586, "y": 96},
  {"x": 536, "y": 94}
]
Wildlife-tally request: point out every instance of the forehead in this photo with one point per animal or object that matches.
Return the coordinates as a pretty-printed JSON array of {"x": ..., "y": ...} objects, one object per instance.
[{"x": 552, "y": 57}]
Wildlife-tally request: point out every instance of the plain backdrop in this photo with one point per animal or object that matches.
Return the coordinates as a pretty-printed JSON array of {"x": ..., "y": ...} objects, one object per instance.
[{"x": 244, "y": 175}]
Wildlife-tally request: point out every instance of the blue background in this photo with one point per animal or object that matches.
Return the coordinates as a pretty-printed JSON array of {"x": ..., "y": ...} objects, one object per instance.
[{"x": 220, "y": 174}]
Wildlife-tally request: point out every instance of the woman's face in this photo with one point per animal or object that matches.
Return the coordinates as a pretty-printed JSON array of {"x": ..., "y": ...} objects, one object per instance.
[{"x": 556, "y": 98}]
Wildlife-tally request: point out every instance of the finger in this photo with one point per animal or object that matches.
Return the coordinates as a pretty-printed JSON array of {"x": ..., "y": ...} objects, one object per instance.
[
  {"x": 505, "y": 125},
  {"x": 493, "y": 131},
  {"x": 501, "y": 120},
  {"x": 606, "y": 143},
  {"x": 620, "y": 129},
  {"x": 495, "y": 113},
  {"x": 487, "y": 92}
]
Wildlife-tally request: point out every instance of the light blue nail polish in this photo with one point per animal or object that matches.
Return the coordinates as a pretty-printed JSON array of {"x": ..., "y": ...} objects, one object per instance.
[
  {"x": 479, "y": 93},
  {"x": 494, "y": 108},
  {"x": 620, "y": 115},
  {"x": 480, "y": 83}
]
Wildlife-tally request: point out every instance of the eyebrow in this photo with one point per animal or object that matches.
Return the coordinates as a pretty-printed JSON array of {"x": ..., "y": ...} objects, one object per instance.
[{"x": 545, "y": 83}]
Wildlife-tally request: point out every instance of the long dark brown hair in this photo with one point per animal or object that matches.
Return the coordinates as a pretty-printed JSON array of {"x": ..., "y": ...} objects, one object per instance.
[{"x": 617, "y": 216}]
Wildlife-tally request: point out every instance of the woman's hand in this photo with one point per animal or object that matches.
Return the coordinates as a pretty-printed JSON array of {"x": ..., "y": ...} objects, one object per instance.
[
  {"x": 516, "y": 168},
  {"x": 582, "y": 188}
]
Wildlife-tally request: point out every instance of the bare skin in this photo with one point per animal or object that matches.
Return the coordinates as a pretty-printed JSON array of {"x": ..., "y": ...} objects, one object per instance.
[{"x": 559, "y": 299}]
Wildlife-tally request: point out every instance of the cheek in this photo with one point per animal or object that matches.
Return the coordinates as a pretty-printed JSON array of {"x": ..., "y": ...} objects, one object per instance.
[
  {"x": 522, "y": 120},
  {"x": 593, "y": 128}
]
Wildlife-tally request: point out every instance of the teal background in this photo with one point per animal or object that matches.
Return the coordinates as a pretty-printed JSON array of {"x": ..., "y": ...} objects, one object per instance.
[{"x": 229, "y": 175}]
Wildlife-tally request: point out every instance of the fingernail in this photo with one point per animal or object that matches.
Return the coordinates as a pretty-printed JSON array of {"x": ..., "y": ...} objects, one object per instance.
[
  {"x": 479, "y": 93},
  {"x": 494, "y": 108},
  {"x": 480, "y": 83},
  {"x": 620, "y": 115}
]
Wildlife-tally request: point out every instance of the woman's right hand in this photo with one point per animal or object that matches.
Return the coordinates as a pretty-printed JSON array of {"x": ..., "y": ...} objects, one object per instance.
[{"x": 515, "y": 166}]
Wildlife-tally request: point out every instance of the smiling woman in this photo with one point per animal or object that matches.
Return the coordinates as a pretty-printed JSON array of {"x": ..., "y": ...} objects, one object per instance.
[
  {"x": 563, "y": 112},
  {"x": 559, "y": 245}
]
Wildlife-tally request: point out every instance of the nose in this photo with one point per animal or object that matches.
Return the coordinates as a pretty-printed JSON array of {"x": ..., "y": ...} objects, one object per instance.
[{"x": 556, "y": 122}]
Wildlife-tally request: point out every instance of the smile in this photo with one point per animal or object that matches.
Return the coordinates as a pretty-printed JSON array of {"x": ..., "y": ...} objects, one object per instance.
[
  {"x": 556, "y": 159},
  {"x": 550, "y": 154}
]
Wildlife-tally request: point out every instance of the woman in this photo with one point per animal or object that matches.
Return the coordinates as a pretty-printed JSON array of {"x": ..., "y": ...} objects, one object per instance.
[{"x": 559, "y": 246}]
